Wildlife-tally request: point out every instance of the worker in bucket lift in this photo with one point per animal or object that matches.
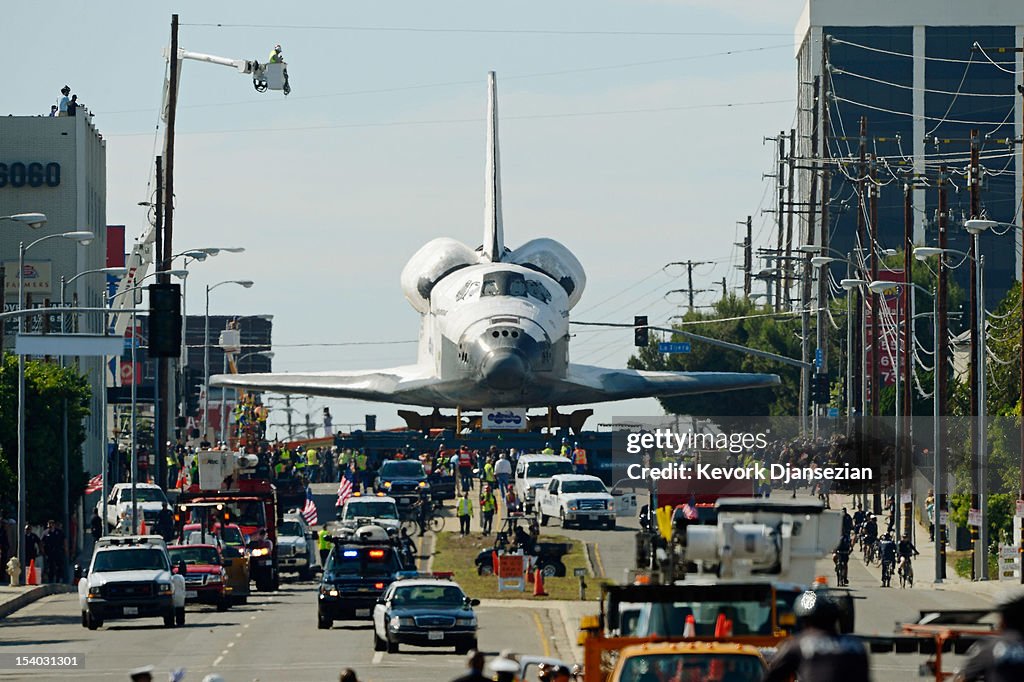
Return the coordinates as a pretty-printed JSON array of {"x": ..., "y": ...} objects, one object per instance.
[{"x": 277, "y": 57}]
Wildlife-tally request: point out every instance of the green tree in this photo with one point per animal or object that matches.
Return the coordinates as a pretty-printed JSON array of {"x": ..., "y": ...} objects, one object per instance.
[{"x": 47, "y": 387}]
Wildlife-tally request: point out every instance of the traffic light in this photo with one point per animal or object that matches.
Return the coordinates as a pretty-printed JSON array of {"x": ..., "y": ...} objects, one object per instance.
[
  {"x": 164, "y": 320},
  {"x": 640, "y": 335},
  {"x": 820, "y": 389}
]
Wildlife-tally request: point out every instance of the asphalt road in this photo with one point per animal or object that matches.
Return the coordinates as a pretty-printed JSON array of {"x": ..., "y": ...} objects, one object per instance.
[{"x": 273, "y": 637}]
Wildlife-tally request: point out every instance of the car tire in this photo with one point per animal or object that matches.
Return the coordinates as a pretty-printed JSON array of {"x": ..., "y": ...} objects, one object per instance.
[
  {"x": 392, "y": 647},
  {"x": 378, "y": 643},
  {"x": 305, "y": 573},
  {"x": 462, "y": 648},
  {"x": 323, "y": 623},
  {"x": 223, "y": 605},
  {"x": 609, "y": 525},
  {"x": 544, "y": 518},
  {"x": 561, "y": 516},
  {"x": 484, "y": 569},
  {"x": 85, "y": 619},
  {"x": 548, "y": 570},
  {"x": 92, "y": 622},
  {"x": 179, "y": 616}
]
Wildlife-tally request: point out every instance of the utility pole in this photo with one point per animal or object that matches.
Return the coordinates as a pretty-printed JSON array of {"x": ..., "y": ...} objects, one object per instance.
[
  {"x": 163, "y": 410},
  {"x": 942, "y": 367},
  {"x": 780, "y": 182},
  {"x": 1020, "y": 493},
  {"x": 975, "y": 377},
  {"x": 822, "y": 273},
  {"x": 862, "y": 238},
  {"x": 725, "y": 292},
  {"x": 159, "y": 435},
  {"x": 790, "y": 183},
  {"x": 907, "y": 356},
  {"x": 748, "y": 259}
]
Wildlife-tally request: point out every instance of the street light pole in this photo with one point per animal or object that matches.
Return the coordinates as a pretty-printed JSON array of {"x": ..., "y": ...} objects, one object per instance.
[
  {"x": 80, "y": 236},
  {"x": 246, "y": 283}
]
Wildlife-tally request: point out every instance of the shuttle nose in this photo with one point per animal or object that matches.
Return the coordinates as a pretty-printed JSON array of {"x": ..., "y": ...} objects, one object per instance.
[{"x": 504, "y": 370}]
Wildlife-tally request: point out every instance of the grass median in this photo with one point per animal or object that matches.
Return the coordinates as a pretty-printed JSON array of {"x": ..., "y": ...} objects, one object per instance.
[{"x": 453, "y": 552}]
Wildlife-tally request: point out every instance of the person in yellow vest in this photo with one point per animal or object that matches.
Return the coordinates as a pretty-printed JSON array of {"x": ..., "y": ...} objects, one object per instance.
[
  {"x": 464, "y": 510},
  {"x": 488, "y": 505},
  {"x": 579, "y": 459},
  {"x": 324, "y": 544},
  {"x": 564, "y": 451},
  {"x": 299, "y": 460},
  {"x": 489, "y": 477},
  {"x": 361, "y": 470},
  {"x": 548, "y": 450}
]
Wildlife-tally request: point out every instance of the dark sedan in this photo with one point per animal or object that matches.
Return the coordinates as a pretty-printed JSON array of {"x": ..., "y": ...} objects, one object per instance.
[{"x": 424, "y": 612}]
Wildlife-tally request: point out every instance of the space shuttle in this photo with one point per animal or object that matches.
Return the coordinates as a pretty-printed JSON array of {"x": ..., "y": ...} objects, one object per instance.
[{"x": 494, "y": 330}]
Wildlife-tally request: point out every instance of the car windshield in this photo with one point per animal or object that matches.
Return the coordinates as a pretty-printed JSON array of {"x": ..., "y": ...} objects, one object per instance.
[
  {"x": 290, "y": 528},
  {"x": 348, "y": 562},
  {"x": 429, "y": 596},
  {"x": 548, "y": 469},
  {"x": 694, "y": 667},
  {"x": 584, "y": 486},
  {"x": 250, "y": 513},
  {"x": 129, "y": 560},
  {"x": 147, "y": 495},
  {"x": 371, "y": 509},
  {"x": 231, "y": 535},
  {"x": 194, "y": 555},
  {"x": 668, "y": 619},
  {"x": 401, "y": 470}
]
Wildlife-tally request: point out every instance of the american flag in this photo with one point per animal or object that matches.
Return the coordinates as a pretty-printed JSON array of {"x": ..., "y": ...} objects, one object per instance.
[
  {"x": 95, "y": 483},
  {"x": 309, "y": 511},
  {"x": 344, "y": 491}
]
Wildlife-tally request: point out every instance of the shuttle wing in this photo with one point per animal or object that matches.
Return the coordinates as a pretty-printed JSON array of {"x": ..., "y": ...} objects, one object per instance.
[
  {"x": 586, "y": 383},
  {"x": 409, "y": 384}
]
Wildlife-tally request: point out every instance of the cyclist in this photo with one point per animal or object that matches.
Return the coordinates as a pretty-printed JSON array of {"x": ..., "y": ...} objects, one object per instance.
[
  {"x": 841, "y": 557},
  {"x": 907, "y": 552},
  {"x": 887, "y": 549},
  {"x": 869, "y": 537}
]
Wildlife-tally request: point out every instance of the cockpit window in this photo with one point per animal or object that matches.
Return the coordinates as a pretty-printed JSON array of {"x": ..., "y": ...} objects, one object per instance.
[
  {"x": 513, "y": 284},
  {"x": 538, "y": 290}
]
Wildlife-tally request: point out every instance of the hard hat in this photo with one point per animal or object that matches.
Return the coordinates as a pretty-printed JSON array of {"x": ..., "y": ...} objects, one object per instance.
[
  {"x": 816, "y": 609},
  {"x": 278, "y": 46}
]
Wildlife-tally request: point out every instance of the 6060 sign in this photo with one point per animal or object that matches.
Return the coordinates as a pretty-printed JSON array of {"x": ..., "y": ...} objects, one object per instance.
[{"x": 33, "y": 174}]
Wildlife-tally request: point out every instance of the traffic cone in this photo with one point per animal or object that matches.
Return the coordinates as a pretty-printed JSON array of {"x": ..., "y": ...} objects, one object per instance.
[
  {"x": 31, "y": 577},
  {"x": 142, "y": 526},
  {"x": 538, "y": 584},
  {"x": 690, "y": 627},
  {"x": 720, "y": 626}
]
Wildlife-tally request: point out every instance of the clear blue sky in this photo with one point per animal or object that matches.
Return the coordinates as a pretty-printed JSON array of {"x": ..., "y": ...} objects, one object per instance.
[{"x": 380, "y": 147}]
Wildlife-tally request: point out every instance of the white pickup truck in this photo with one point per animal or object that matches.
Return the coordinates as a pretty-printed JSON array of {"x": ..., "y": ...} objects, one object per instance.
[
  {"x": 534, "y": 472},
  {"x": 576, "y": 499},
  {"x": 130, "y": 576}
]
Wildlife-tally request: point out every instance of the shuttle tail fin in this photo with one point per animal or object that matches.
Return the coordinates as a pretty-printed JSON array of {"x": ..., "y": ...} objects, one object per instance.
[{"x": 494, "y": 237}]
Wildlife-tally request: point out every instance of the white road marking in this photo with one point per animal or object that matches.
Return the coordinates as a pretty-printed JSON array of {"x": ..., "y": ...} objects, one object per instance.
[
  {"x": 238, "y": 634},
  {"x": 230, "y": 644},
  {"x": 217, "y": 661},
  {"x": 378, "y": 657}
]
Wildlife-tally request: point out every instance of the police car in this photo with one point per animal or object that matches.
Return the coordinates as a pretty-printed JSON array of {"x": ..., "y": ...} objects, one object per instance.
[
  {"x": 130, "y": 577},
  {"x": 426, "y": 610},
  {"x": 379, "y": 509},
  {"x": 361, "y": 565}
]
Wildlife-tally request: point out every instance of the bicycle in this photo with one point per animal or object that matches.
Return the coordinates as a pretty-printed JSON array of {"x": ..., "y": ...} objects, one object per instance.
[
  {"x": 906, "y": 571},
  {"x": 886, "y": 573},
  {"x": 870, "y": 551}
]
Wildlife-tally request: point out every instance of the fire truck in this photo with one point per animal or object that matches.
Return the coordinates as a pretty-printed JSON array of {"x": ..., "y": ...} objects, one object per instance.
[{"x": 250, "y": 502}]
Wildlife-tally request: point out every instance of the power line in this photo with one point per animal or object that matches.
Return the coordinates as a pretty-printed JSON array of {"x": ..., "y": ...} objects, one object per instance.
[{"x": 509, "y": 31}]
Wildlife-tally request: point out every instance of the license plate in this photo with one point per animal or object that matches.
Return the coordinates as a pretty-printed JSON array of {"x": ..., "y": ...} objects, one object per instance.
[
  {"x": 362, "y": 613},
  {"x": 592, "y": 517},
  {"x": 189, "y": 594},
  {"x": 131, "y": 610},
  {"x": 435, "y": 635},
  {"x": 403, "y": 500}
]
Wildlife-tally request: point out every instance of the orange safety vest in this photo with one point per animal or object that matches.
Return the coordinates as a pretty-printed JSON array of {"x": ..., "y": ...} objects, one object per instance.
[
  {"x": 465, "y": 460},
  {"x": 579, "y": 456}
]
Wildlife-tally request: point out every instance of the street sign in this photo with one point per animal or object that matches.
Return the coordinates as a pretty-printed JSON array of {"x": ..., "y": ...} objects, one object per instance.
[
  {"x": 819, "y": 358},
  {"x": 974, "y": 518},
  {"x": 833, "y": 413},
  {"x": 674, "y": 347},
  {"x": 579, "y": 572},
  {"x": 943, "y": 517}
]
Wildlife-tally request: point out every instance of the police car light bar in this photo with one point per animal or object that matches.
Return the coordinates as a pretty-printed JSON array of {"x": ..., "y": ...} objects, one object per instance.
[{"x": 350, "y": 553}]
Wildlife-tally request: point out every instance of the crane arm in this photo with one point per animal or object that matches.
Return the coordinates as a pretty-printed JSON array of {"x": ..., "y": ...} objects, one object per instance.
[{"x": 242, "y": 65}]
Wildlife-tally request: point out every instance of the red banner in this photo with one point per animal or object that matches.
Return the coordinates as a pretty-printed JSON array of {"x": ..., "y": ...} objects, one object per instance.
[{"x": 890, "y": 331}]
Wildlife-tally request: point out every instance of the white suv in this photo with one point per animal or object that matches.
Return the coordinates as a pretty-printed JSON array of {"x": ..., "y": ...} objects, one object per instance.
[
  {"x": 534, "y": 471},
  {"x": 131, "y": 577}
]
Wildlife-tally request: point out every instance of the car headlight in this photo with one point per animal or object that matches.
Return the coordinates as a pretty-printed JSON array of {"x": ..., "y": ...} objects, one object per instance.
[
  {"x": 95, "y": 592},
  {"x": 387, "y": 484},
  {"x": 423, "y": 484},
  {"x": 397, "y": 622},
  {"x": 260, "y": 551},
  {"x": 573, "y": 506},
  {"x": 214, "y": 578},
  {"x": 466, "y": 622},
  {"x": 162, "y": 588},
  {"x": 329, "y": 591}
]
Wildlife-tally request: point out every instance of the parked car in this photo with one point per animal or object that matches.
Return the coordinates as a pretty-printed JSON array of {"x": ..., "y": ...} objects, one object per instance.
[
  {"x": 425, "y": 612},
  {"x": 535, "y": 471}
]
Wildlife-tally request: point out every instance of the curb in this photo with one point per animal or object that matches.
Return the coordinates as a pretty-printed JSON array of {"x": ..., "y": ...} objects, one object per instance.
[{"x": 33, "y": 594}]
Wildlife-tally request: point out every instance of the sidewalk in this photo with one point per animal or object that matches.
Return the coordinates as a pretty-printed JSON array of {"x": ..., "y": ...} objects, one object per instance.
[{"x": 14, "y": 598}]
